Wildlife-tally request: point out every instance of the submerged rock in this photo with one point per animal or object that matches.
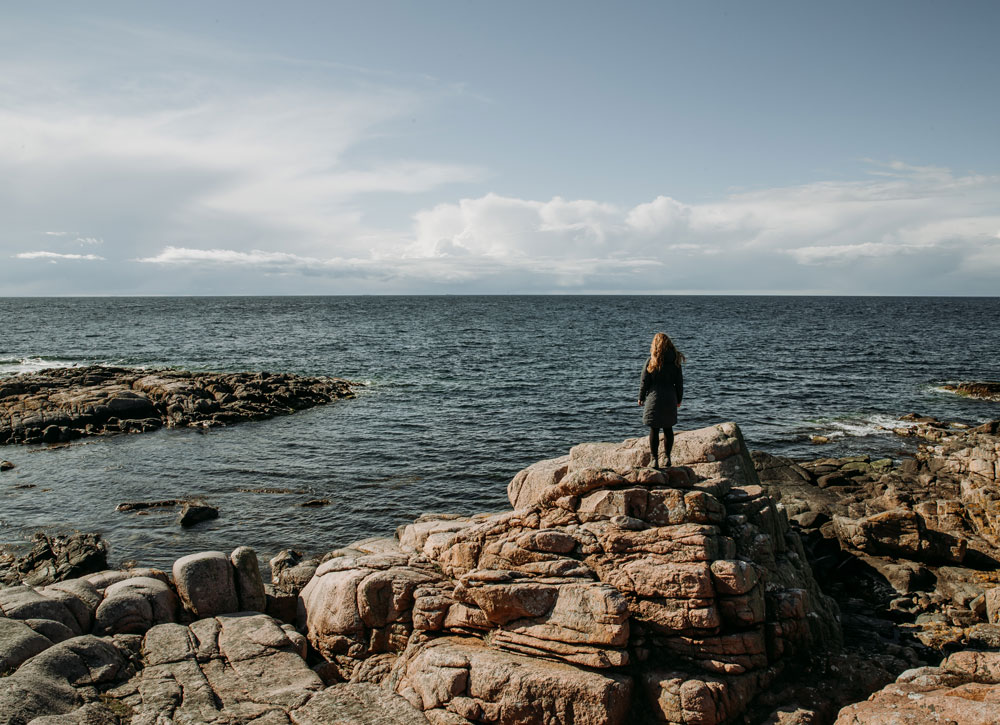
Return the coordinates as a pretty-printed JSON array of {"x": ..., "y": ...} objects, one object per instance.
[{"x": 194, "y": 512}]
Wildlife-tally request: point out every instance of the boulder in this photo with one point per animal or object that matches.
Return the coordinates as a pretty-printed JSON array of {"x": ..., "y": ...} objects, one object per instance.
[
  {"x": 291, "y": 571},
  {"x": 134, "y": 605},
  {"x": 358, "y": 605},
  {"x": 55, "y": 632},
  {"x": 249, "y": 583},
  {"x": 992, "y": 602},
  {"x": 19, "y": 642},
  {"x": 900, "y": 532},
  {"x": 205, "y": 583},
  {"x": 24, "y": 603},
  {"x": 59, "y": 679},
  {"x": 79, "y": 596},
  {"x": 680, "y": 699},
  {"x": 194, "y": 512}
]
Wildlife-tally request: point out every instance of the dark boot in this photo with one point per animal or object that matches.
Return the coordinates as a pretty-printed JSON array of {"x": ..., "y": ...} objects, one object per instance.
[{"x": 654, "y": 447}]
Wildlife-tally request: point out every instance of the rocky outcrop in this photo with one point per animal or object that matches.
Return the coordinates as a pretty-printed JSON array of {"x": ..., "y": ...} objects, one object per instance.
[
  {"x": 981, "y": 391},
  {"x": 55, "y": 558},
  {"x": 606, "y": 588},
  {"x": 964, "y": 689},
  {"x": 59, "y": 405},
  {"x": 910, "y": 549},
  {"x": 610, "y": 593}
]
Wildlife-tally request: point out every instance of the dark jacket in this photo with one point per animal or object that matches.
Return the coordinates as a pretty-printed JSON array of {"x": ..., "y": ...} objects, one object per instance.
[{"x": 660, "y": 393}]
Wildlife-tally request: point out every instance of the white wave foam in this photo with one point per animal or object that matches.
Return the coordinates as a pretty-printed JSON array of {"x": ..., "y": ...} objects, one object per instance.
[
  {"x": 16, "y": 366},
  {"x": 942, "y": 389},
  {"x": 862, "y": 427}
]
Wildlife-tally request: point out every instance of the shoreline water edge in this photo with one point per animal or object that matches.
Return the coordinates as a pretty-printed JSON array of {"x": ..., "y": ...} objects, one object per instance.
[{"x": 735, "y": 586}]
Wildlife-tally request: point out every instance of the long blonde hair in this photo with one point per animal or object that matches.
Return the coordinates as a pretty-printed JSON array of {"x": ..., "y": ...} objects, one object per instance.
[{"x": 657, "y": 351}]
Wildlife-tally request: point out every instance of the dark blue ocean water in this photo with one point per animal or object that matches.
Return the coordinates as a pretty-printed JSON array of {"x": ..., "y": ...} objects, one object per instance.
[{"x": 460, "y": 393}]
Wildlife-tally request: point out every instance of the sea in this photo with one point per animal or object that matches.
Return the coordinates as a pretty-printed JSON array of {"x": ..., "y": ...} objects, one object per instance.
[{"x": 456, "y": 394}]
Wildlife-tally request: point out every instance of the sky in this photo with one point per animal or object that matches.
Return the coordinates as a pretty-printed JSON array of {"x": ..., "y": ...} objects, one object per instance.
[{"x": 436, "y": 147}]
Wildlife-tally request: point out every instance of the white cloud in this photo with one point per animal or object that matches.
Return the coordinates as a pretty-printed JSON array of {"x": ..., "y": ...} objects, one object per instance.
[
  {"x": 919, "y": 216},
  {"x": 163, "y": 136},
  {"x": 57, "y": 256},
  {"x": 846, "y": 252},
  {"x": 796, "y": 238}
]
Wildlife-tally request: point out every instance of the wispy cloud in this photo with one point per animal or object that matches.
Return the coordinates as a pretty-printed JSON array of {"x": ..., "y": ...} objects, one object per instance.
[
  {"x": 55, "y": 256},
  {"x": 209, "y": 144}
]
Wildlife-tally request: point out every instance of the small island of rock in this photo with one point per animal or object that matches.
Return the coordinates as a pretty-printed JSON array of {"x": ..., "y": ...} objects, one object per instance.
[
  {"x": 59, "y": 405},
  {"x": 979, "y": 391}
]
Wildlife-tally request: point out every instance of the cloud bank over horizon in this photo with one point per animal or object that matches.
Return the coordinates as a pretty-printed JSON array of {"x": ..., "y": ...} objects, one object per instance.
[
  {"x": 887, "y": 234},
  {"x": 272, "y": 174},
  {"x": 811, "y": 238}
]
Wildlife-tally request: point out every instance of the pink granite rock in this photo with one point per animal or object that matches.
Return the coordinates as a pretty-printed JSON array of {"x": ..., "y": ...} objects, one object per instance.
[
  {"x": 691, "y": 573},
  {"x": 964, "y": 690}
]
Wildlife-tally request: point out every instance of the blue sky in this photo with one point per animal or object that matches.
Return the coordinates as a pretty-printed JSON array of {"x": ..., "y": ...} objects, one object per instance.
[{"x": 519, "y": 147}]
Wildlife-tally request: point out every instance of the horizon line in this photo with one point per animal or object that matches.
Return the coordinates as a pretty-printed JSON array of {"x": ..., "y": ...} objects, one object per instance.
[{"x": 502, "y": 294}]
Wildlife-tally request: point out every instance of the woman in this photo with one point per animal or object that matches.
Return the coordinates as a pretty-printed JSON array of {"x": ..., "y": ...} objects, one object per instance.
[{"x": 660, "y": 391}]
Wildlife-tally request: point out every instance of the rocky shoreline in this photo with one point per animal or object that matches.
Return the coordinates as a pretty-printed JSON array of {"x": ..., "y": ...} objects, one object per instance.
[
  {"x": 63, "y": 404},
  {"x": 733, "y": 587}
]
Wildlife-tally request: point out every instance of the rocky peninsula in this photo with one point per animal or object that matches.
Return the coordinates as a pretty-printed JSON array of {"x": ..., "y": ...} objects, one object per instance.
[
  {"x": 733, "y": 587},
  {"x": 64, "y": 404}
]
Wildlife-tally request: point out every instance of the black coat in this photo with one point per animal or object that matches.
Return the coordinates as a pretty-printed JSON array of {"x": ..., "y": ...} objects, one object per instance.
[{"x": 660, "y": 393}]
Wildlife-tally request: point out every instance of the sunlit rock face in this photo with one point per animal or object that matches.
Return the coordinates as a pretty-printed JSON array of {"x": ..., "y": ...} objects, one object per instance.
[{"x": 611, "y": 593}]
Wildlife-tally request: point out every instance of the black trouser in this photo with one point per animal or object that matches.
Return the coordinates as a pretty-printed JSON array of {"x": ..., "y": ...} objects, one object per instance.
[{"x": 654, "y": 442}]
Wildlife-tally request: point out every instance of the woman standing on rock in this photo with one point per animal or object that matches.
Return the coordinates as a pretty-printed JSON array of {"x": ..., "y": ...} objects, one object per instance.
[{"x": 661, "y": 388}]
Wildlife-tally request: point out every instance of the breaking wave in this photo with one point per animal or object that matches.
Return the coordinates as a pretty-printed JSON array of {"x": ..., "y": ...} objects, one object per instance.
[
  {"x": 860, "y": 427},
  {"x": 16, "y": 366}
]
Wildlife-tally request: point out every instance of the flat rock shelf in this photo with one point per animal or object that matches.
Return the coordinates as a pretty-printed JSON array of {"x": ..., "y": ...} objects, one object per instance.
[{"x": 59, "y": 405}]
